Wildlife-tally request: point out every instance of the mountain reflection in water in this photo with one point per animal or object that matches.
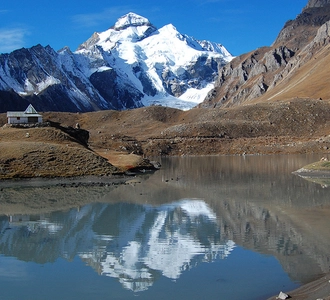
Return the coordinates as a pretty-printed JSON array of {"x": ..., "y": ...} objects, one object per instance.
[
  {"x": 126, "y": 241},
  {"x": 194, "y": 210}
]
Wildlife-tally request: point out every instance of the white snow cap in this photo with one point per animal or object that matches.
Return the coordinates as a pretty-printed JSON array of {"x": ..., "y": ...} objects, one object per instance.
[
  {"x": 136, "y": 49},
  {"x": 131, "y": 19}
]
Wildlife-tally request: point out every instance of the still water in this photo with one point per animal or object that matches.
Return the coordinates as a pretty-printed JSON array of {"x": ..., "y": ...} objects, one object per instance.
[{"x": 199, "y": 228}]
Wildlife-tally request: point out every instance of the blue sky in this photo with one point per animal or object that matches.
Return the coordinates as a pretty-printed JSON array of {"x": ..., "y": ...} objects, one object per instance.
[{"x": 240, "y": 25}]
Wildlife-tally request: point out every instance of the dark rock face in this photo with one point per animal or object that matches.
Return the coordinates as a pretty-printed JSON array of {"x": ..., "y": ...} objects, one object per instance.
[
  {"x": 120, "y": 97},
  {"x": 196, "y": 75},
  {"x": 56, "y": 98},
  {"x": 317, "y": 3},
  {"x": 299, "y": 32},
  {"x": 10, "y": 101},
  {"x": 148, "y": 87},
  {"x": 54, "y": 81},
  {"x": 204, "y": 68}
]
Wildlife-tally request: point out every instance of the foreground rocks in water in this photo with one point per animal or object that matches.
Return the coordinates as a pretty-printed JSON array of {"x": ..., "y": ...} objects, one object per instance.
[
  {"x": 316, "y": 290},
  {"x": 317, "y": 169},
  {"x": 283, "y": 296}
]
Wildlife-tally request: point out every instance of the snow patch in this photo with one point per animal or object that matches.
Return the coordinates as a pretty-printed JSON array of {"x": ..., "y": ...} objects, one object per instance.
[
  {"x": 103, "y": 69},
  {"x": 130, "y": 19},
  {"x": 196, "y": 96},
  {"x": 168, "y": 101},
  {"x": 46, "y": 83}
]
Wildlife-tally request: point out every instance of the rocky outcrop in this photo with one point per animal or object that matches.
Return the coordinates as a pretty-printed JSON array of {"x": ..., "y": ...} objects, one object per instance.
[
  {"x": 297, "y": 33},
  {"x": 248, "y": 76},
  {"x": 317, "y": 3},
  {"x": 322, "y": 38},
  {"x": 78, "y": 134},
  {"x": 304, "y": 56}
]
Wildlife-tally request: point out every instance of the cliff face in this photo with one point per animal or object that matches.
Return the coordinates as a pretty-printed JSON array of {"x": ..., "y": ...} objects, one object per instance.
[
  {"x": 253, "y": 75},
  {"x": 299, "y": 32}
]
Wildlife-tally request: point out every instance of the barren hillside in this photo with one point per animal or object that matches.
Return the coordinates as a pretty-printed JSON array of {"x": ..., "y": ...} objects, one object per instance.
[
  {"x": 58, "y": 152},
  {"x": 291, "y": 126}
]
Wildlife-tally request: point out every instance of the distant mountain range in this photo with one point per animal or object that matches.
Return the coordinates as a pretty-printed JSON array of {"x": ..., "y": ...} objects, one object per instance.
[
  {"x": 295, "y": 66},
  {"x": 132, "y": 64}
]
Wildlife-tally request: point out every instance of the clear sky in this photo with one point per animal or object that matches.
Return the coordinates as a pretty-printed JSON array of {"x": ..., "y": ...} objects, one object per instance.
[{"x": 240, "y": 25}]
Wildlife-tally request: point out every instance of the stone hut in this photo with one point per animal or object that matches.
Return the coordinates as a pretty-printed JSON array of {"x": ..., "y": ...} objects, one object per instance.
[{"x": 29, "y": 116}]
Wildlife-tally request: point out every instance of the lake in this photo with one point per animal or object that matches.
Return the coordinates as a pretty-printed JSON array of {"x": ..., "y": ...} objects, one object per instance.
[{"x": 218, "y": 227}]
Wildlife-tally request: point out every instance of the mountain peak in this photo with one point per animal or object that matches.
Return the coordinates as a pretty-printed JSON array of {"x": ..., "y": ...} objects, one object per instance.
[
  {"x": 129, "y": 65},
  {"x": 317, "y": 3},
  {"x": 131, "y": 19}
]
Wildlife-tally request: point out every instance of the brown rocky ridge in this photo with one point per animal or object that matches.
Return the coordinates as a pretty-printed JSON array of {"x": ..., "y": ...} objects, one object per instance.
[
  {"x": 296, "y": 65},
  {"x": 295, "y": 126}
]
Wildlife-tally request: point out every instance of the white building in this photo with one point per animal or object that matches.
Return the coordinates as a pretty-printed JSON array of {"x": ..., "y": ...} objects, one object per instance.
[{"x": 29, "y": 116}]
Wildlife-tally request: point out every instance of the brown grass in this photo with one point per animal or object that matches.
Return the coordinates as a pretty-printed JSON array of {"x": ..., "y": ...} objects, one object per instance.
[{"x": 293, "y": 126}]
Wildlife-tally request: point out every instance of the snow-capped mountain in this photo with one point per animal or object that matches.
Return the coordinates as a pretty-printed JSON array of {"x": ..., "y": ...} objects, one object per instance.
[{"x": 130, "y": 65}]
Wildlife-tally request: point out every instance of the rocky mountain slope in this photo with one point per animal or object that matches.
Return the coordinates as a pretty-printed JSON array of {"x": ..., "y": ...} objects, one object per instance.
[
  {"x": 294, "y": 66},
  {"x": 130, "y": 65}
]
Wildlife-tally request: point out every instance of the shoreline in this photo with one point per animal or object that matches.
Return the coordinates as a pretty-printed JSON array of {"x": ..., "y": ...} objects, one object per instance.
[
  {"x": 315, "y": 290},
  {"x": 313, "y": 173},
  {"x": 89, "y": 180},
  {"x": 36, "y": 195}
]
